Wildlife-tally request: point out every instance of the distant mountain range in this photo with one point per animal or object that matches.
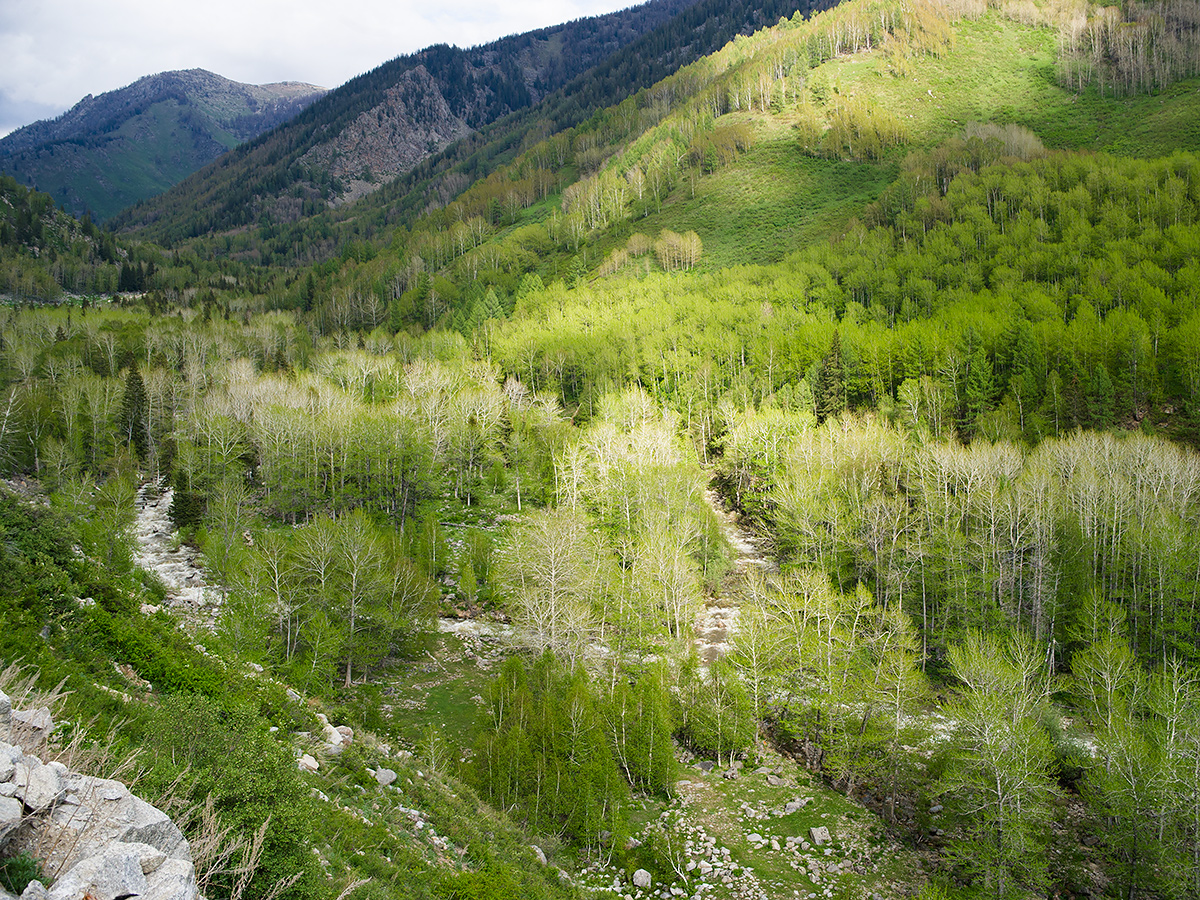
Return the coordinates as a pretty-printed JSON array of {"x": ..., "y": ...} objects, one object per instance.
[
  {"x": 111, "y": 151},
  {"x": 425, "y": 126}
]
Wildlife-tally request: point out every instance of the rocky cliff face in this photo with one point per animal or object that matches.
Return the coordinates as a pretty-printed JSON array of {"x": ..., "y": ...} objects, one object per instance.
[
  {"x": 413, "y": 121},
  {"x": 91, "y": 835},
  {"x": 126, "y": 145}
]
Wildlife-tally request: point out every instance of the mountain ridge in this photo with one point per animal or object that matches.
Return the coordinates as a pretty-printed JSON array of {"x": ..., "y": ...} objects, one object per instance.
[{"x": 127, "y": 144}]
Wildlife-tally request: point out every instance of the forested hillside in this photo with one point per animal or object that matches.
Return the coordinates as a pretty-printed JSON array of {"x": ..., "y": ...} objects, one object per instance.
[
  {"x": 782, "y": 482},
  {"x": 108, "y": 152},
  {"x": 468, "y": 111}
]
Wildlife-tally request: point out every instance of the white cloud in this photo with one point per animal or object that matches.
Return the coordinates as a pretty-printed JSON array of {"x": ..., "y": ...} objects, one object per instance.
[{"x": 54, "y": 52}]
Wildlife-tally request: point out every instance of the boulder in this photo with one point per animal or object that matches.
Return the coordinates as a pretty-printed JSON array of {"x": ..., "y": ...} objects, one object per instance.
[
  {"x": 819, "y": 835},
  {"x": 175, "y": 879},
  {"x": 99, "y": 812},
  {"x": 35, "y": 890},
  {"x": 114, "y": 872},
  {"x": 642, "y": 879},
  {"x": 39, "y": 787},
  {"x": 793, "y": 806},
  {"x": 11, "y": 813},
  {"x": 33, "y": 719},
  {"x": 385, "y": 777},
  {"x": 307, "y": 763}
]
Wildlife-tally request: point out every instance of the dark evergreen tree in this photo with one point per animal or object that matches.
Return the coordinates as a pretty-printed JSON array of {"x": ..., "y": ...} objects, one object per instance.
[
  {"x": 829, "y": 392},
  {"x": 133, "y": 422}
]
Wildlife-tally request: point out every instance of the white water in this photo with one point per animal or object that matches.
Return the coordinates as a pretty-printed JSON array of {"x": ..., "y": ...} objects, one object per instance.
[
  {"x": 717, "y": 620},
  {"x": 158, "y": 550}
]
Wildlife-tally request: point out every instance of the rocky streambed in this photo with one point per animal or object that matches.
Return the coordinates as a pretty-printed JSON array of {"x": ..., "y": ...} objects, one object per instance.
[{"x": 159, "y": 550}]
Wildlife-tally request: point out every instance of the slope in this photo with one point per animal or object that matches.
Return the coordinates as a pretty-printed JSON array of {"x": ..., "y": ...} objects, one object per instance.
[
  {"x": 500, "y": 95},
  {"x": 123, "y": 146}
]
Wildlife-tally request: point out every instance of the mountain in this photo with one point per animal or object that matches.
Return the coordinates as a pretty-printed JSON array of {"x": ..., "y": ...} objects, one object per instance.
[
  {"x": 382, "y": 124},
  {"x": 123, "y": 146}
]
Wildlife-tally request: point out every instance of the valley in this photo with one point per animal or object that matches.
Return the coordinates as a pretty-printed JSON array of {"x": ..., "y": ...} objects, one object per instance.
[{"x": 757, "y": 459}]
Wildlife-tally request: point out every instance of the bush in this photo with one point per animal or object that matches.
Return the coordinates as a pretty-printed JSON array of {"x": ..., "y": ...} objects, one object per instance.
[{"x": 16, "y": 872}]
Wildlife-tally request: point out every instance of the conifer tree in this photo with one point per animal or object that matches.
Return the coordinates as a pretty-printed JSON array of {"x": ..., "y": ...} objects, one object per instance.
[
  {"x": 133, "y": 416},
  {"x": 829, "y": 393}
]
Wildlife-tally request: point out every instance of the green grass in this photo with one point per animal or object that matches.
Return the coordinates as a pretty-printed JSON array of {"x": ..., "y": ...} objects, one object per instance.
[{"x": 438, "y": 690}]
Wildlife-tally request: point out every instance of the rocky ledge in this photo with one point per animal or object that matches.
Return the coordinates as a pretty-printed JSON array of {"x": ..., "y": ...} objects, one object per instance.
[{"x": 91, "y": 835}]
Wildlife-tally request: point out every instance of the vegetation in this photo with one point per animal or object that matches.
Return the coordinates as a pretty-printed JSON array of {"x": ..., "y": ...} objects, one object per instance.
[{"x": 953, "y": 387}]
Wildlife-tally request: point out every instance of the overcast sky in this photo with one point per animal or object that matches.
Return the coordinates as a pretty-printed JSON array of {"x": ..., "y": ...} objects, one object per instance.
[{"x": 54, "y": 52}]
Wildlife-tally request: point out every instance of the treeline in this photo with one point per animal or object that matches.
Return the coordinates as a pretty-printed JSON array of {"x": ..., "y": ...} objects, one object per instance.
[
  {"x": 1031, "y": 298},
  {"x": 987, "y": 536},
  {"x": 1132, "y": 48}
]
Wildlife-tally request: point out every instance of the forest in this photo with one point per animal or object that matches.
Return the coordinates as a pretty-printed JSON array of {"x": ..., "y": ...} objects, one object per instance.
[{"x": 949, "y": 385}]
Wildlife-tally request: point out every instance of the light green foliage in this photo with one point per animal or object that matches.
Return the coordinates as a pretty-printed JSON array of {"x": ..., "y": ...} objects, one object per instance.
[
  {"x": 998, "y": 777},
  {"x": 544, "y": 750},
  {"x": 553, "y": 572},
  {"x": 716, "y": 716},
  {"x": 1147, "y": 728}
]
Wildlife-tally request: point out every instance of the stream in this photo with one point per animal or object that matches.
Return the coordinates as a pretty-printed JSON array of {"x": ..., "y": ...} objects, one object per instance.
[
  {"x": 159, "y": 550},
  {"x": 717, "y": 620}
]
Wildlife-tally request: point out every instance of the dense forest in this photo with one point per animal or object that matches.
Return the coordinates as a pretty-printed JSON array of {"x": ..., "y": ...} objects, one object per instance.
[{"x": 936, "y": 359}]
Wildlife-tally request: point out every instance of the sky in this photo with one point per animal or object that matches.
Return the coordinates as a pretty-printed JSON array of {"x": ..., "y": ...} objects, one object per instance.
[{"x": 55, "y": 52}]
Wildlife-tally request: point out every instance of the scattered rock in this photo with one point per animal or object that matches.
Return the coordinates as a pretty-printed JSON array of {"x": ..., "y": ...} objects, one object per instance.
[
  {"x": 793, "y": 806},
  {"x": 385, "y": 777},
  {"x": 307, "y": 763},
  {"x": 642, "y": 879},
  {"x": 774, "y": 780},
  {"x": 819, "y": 835},
  {"x": 935, "y": 809},
  {"x": 537, "y": 851}
]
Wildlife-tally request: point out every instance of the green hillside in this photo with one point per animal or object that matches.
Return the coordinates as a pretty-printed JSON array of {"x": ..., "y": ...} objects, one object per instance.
[{"x": 780, "y": 483}]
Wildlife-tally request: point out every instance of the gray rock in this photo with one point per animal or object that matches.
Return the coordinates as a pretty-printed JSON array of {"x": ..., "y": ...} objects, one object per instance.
[
  {"x": 385, "y": 777},
  {"x": 175, "y": 879},
  {"x": 5, "y": 717},
  {"x": 38, "y": 786},
  {"x": 115, "y": 872},
  {"x": 108, "y": 813},
  {"x": 36, "y": 720},
  {"x": 293, "y": 696},
  {"x": 642, "y": 879},
  {"x": 35, "y": 890},
  {"x": 7, "y": 768},
  {"x": 793, "y": 806},
  {"x": 819, "y": 835},
  {"x": 774, "y": 779},
  {"x": 935, "y": 809},
  {"x": 150, "y": 858},
  {"x": 755, "y": 838},
  {"x": 537, "y": 851},
  {"x": 11, "y": 813}
]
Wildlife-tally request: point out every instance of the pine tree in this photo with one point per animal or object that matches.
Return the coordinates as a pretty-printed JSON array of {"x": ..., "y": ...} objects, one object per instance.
[
  {"x": 133, "y": 415},
  {"x": 829, "y": 392}
]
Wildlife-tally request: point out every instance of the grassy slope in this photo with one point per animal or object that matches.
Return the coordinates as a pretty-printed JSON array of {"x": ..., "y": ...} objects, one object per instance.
[{"x": 773, "y": 199}]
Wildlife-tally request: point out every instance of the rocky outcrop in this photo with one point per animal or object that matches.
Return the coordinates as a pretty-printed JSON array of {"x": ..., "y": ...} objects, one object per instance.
[
  {"x": 91, "y": 835},
  {"x": 413, "y": 121}
]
